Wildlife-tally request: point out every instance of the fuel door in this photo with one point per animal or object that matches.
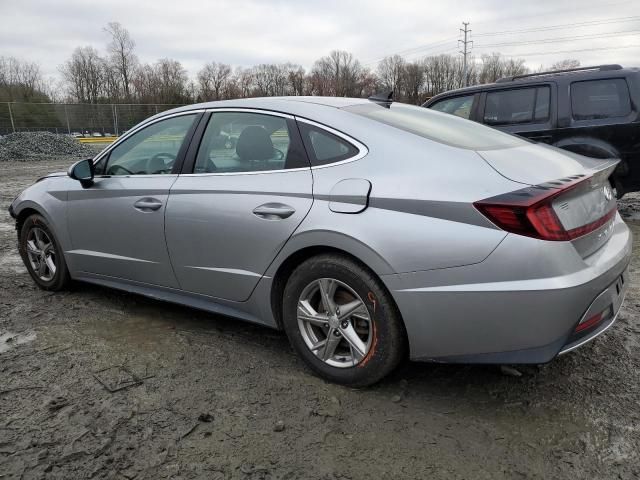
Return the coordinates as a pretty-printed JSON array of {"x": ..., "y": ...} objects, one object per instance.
[{"x": 350, "y": 195}]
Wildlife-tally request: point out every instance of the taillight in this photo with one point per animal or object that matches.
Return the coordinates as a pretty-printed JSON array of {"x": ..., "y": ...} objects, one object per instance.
[{"x": 530, "y": 212}]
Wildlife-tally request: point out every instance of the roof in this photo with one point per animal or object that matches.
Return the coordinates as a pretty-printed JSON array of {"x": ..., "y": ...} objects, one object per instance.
[
  {"x": 540, "y": 77},
  {"x": 294, "y": 105}
]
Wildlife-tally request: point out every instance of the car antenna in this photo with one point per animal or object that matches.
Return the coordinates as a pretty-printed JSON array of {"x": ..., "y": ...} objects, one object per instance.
[{"x": 384, "y": 98}]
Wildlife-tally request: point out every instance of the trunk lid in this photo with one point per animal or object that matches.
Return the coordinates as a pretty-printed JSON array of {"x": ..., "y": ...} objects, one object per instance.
[{"x": 583, "y": 199}]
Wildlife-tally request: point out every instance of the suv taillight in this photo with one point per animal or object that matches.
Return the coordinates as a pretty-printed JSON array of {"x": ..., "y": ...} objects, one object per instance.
[{"x": 530, "y": 212}]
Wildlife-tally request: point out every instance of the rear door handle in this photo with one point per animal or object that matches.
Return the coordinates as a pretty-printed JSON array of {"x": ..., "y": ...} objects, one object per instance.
[
  {"x": 274, "y": 211},
  {"x": 148, "y": 204}
]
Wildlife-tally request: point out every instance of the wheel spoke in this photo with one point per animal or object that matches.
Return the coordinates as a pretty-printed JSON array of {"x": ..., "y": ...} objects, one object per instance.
[
  {"x": 306, "y": 313},
  {"x": 327, "y": 291},
  {"x": 51, "y": 264},
  {"x": 318, "y": 345},
  {"x": 349, "y": 309},
  {"x": 37, "y": 233},
  {"x": 331, "y": 344},
  {"x": 32, "y": 248},
  {"x": 358, "y": 347}
]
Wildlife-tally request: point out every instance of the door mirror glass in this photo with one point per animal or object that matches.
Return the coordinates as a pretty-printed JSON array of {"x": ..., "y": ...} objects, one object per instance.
[{"x": 83, "y": 172}]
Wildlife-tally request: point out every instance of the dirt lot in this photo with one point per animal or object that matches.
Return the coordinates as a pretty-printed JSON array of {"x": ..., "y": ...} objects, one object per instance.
[{"x": 216, "y": 398}]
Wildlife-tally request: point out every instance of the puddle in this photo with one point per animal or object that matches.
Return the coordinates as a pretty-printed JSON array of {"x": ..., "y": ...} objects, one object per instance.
[{"x": 9, "y": 340}]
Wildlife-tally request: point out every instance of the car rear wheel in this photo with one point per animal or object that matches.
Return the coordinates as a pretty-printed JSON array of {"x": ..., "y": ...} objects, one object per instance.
[
  {"x": 342, "y": 321},
  {"x": 42, "y": 254}
]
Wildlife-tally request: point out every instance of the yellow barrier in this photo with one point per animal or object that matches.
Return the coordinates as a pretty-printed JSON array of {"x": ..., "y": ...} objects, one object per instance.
[{"x": 97, "y": 139}]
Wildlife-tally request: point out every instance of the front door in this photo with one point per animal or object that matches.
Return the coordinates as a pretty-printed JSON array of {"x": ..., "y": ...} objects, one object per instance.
[
  {"x": 249, "y": 190},
  {"x": 117, "y": 224}
]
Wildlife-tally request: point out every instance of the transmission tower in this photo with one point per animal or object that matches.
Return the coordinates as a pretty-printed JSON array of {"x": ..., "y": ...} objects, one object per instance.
[{"x": 466, "y": 49}]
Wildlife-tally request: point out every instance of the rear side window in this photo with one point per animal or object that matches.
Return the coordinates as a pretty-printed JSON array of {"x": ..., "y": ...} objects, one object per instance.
[
  {"x": 520, "y": 105},
  {"x": 594, "y": 99},
  {"x": 324, "y": 147},
  {"x": 458, "y": 106}
]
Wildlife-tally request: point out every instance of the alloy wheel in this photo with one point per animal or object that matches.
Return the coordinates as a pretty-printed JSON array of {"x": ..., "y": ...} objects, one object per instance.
[
  {"x": 334, "y": 322},
  {"x": 42, "y": 254}
]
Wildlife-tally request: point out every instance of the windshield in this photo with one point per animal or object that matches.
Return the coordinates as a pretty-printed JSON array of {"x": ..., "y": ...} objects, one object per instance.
[{"x": 440, "y": 127}]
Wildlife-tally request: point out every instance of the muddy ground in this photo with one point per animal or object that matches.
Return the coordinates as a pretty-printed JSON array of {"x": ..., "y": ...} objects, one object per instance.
[{"x": 209, "y": 397}]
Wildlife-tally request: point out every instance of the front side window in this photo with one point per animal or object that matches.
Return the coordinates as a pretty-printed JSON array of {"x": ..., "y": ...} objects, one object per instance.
[
  {"x": 459, "y": 106},
  {"x": 151, "y": 151},
  {"x": 520, "y": 105},
  {"x": 237, "y": 142},
  {"x": 593, "y": 99}
]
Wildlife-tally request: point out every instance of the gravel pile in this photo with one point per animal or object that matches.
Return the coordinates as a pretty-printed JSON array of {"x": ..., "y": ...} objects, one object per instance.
[{"x": 26, "y": 146}]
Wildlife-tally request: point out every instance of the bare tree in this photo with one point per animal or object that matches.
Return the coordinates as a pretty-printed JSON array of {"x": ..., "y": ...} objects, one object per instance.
[
  {"x": 121, "y": 54},
  {"x": 336, "y": 74},
  {"x": 494, "y": 66},
  {"x": 20, "y": 80},
  {"x": 414, "y": 77},
  {"x": 84, "y": 74},
  {"x": 391, "y": 73},
  {"x": 213, "y": 80},
  {"x": 565, "y": 64}
]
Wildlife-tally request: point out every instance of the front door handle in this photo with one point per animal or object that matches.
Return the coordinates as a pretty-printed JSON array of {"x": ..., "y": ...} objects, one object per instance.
[
  {"x": 274, "y": 211},
  {"x": 148, "y": 204}
]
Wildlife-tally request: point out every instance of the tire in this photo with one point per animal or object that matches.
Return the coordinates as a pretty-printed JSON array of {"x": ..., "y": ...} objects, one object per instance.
[
  {"x": 382, "y": 337},
  {"x": 36, "y": 232}
]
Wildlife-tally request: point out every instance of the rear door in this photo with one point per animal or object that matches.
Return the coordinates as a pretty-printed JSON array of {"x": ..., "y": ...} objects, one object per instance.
[
  {"x": 527, "y": 111},
  {"x": 243, "y": 191}
]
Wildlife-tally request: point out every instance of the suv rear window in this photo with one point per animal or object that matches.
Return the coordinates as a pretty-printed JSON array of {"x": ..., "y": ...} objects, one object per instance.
[
  {"x": 436, "y": 126},
  {"x": 592, "y": 99},
  {"x": 520, "y": 105}
]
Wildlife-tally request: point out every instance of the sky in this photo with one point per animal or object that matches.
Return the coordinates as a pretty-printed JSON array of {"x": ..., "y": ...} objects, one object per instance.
[{"x": 249, "y": 32}]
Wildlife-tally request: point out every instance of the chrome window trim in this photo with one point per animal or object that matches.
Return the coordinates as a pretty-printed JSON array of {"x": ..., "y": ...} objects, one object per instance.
[
  {"x": 362, "y": 148},
  {"x": 250, "y": 110},
  {"x": 133, "y": 131}
]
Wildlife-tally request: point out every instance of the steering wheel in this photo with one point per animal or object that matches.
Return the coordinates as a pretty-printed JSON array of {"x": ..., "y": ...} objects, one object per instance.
[
  {"x": 114, "y": 168},
  {"x": 150, "y": 167},
  {"x": 278, "y": 154}
]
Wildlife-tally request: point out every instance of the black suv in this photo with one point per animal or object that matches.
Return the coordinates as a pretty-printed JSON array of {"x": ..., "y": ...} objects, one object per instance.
[{"x": 593, "y": 111}]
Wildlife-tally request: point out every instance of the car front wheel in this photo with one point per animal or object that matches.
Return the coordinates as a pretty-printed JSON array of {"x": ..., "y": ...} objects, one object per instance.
[
  {"x": 42, "y": 254},
  {"x": 342, "y": 321}
]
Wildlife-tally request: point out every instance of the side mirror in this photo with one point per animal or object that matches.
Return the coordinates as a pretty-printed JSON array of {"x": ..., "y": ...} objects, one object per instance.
[{"x": 83, "y": 172}]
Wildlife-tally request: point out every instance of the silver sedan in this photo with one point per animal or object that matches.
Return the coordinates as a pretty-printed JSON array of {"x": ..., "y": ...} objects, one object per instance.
[{"x": 369, "y": 231}]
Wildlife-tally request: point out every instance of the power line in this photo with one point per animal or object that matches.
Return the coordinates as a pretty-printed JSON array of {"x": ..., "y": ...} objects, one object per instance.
[
  {"x": 554, "y": 12},
  {"x": 561, "y": 39},
  {"x": 556, "y": 27},
  {"x": 534, "y": 54},
  {"x": 411, "y": 51}
]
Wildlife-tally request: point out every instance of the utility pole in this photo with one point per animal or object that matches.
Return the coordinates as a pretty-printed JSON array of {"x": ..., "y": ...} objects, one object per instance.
[{"x": 465, "y": 51}]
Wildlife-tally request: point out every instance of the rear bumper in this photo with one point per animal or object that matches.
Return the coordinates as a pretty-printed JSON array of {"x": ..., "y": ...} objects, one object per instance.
[{"x": 521, "y": 305}]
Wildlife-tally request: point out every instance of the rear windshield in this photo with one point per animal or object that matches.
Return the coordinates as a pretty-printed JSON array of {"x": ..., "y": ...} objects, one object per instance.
[{"x": 440, "y": 127}]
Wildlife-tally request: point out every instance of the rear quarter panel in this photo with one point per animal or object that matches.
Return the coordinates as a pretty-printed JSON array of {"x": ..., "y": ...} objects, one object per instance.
[{"x": 420, "y": 214}]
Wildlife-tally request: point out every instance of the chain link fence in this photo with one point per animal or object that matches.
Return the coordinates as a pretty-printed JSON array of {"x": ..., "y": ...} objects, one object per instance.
[{"x": 105, "y": 119}]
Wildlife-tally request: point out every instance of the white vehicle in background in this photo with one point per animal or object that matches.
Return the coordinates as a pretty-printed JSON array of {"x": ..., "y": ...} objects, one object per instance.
[
  {"x": 96, "y": 134},
  {"x": 76, "y": 134}
]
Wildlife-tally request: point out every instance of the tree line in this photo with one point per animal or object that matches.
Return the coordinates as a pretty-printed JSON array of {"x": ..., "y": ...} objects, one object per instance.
[{"x": 118, "y": 76}]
